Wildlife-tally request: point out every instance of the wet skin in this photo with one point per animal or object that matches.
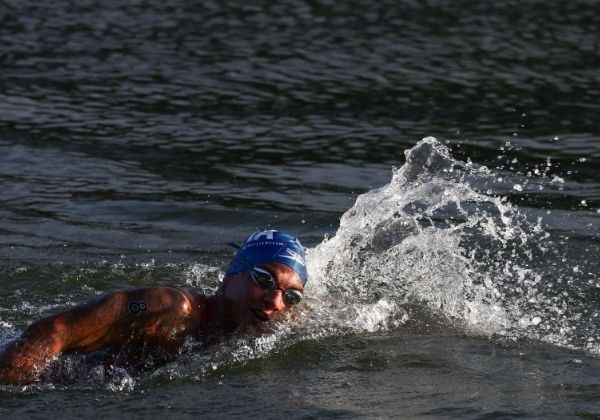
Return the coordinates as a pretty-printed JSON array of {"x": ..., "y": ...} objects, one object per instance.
[{"x": 137, "y": 324}]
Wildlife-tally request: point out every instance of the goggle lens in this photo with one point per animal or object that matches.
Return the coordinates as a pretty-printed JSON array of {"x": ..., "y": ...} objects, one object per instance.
[
  {"x": 292, "y": 296},
  {"x": 264, "y": 279}
]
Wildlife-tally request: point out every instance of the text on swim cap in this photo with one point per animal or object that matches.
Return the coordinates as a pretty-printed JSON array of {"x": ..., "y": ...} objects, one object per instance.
[{"x": 267, "y": 234}]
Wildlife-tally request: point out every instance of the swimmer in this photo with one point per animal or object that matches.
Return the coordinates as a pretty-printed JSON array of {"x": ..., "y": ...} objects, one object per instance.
[{"x": 131, "y": 326}]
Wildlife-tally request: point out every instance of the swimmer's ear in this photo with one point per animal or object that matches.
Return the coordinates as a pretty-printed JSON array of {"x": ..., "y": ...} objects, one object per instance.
[
  {"x": 224, "y": 281},
  {"x": 228, "y": 279}
]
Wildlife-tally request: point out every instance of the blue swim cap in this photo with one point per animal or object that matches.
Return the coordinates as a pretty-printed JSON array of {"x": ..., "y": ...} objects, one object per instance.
[{"x": 270, "y": 246}]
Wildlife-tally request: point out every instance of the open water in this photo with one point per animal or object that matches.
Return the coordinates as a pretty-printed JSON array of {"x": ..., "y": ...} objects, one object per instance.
[{"x": 454, "y": 276}]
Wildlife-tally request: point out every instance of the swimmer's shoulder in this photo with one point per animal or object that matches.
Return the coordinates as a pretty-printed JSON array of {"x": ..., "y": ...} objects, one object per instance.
[
  {"x": 166, "y": 299},
  {"x": 155, "y": 300}
]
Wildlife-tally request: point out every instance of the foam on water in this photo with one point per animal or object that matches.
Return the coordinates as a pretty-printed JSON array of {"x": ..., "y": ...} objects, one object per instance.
[{"x": 432, "y": 237}]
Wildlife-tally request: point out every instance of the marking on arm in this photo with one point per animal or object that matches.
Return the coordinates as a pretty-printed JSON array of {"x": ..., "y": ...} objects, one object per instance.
[{"x": 136, "y": 306}]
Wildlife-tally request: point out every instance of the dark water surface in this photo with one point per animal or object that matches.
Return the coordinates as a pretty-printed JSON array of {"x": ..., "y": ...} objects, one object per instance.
[{"x": 137, "y": 137}]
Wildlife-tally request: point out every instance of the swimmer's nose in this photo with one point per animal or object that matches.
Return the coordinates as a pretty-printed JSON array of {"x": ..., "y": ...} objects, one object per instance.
[{"x": 273, "y": 302}]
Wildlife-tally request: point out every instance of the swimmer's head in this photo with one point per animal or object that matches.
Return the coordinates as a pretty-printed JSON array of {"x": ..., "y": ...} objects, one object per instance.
[{"x": 270, "y": 246}]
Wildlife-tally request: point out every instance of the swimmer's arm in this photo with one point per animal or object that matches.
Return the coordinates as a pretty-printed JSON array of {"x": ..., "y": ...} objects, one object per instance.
[{"x": 102, "y": 323}]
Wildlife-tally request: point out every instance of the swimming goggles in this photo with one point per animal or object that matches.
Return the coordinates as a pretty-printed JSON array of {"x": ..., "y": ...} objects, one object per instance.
[{"x": 265, "y": 280}]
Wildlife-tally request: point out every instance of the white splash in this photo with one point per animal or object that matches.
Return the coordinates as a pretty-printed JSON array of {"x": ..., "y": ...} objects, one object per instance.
[{"x": 430, "y": 238}]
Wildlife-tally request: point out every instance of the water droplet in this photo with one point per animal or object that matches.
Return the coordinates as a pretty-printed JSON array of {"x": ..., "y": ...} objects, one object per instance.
[
  {"x": 584, "y": 203},
  {"x": 303, "y": 221},
  {"x": 518, "y": 187},
  {"x": 576, "y": 269}
]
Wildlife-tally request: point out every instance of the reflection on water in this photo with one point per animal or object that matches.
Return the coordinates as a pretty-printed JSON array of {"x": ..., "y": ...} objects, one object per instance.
[{"x": 146, "y": 116}]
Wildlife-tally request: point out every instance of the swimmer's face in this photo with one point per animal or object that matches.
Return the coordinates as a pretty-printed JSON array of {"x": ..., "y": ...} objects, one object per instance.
[{"x": 250, "y": 304}]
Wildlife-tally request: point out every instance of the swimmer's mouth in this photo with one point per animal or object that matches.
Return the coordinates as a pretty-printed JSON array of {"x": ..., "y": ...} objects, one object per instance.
[{"x": 260, "y": 315}]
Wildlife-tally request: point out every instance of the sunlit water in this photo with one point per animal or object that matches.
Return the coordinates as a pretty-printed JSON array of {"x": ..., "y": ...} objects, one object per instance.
[{"x": 448, "y": 277}]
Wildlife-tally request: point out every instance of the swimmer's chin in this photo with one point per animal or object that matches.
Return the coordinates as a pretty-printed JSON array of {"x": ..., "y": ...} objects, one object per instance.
[{"x": 259, "y": 327}]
